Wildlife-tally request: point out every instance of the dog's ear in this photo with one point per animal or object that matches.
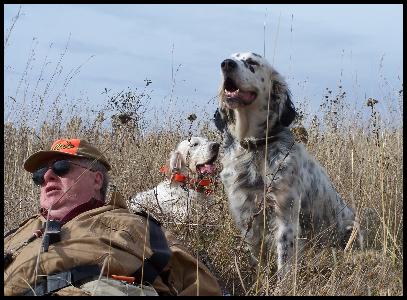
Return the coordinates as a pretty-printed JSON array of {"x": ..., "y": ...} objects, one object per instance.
[
  {"x": 287, "y": 110},
  {"x": 223, "y": 117},
  {"x": 219, "y": 119},
  {"x": 176, "y": 162}
]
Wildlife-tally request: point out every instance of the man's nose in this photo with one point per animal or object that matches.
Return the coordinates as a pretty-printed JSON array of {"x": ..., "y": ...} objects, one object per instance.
[{"x": 49, "y": 175}]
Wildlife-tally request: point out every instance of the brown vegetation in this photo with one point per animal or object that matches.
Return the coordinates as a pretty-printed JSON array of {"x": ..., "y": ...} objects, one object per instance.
[{"x": 365, "y": 163}]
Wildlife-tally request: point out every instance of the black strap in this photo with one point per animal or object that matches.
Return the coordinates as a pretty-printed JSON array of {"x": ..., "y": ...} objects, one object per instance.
[
  {"x": 58, "y": 281},
  {"x": 255, "y": 144},
  {"x": 52, "y": 234},
  {"x": 154, "y": 264}
]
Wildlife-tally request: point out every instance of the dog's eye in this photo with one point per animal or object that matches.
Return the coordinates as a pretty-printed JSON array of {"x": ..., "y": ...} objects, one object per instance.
[{"x": 252, "y": 62}]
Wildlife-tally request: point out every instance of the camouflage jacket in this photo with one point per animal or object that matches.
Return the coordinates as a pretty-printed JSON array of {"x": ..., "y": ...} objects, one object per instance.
[{"x": 110, "y": 237}]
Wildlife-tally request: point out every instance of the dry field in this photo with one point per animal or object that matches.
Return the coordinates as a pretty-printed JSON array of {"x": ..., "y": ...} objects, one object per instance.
[{"x": 363, "y": 159}]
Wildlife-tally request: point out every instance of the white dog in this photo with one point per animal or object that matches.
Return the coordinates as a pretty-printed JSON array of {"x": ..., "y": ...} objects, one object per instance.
[
  {"x": 190, "y": 170},
  {"x": 263, "y": 165}
]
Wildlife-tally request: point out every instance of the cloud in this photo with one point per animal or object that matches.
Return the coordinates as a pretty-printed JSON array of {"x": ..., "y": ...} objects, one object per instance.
[{"x": 135, "y": 42}]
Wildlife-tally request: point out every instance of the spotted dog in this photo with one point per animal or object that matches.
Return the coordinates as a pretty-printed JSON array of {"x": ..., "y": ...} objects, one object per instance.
[
  {"x": 189, "y": 169},
  {"x": 262, "y": 161}
]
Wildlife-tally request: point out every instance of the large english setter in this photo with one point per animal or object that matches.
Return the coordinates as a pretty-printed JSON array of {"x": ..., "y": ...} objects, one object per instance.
[
  {"x": 262, "y": 161},
  {"x": 190, "y": 174}
]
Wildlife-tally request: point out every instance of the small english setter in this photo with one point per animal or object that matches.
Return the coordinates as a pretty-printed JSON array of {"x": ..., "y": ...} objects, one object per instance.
[
  {"x": 263, "y": 161},
  {"x": 190, "y": 170}
]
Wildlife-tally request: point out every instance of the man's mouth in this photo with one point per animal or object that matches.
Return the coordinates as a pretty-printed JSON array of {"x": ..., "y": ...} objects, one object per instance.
[
  {"x": 236, "y": 96},
  {"x": 51, "y": 188}
]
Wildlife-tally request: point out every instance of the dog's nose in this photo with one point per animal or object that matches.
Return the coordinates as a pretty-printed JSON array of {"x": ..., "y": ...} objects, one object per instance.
[
  {"x": 215, "y": 147},
  {"x": 228, "y": 65}
]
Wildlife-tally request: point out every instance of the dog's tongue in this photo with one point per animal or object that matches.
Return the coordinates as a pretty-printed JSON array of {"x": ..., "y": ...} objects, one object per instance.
[
  {"x": 247, "y": 96},
  {"x": 207, "y": 168}
]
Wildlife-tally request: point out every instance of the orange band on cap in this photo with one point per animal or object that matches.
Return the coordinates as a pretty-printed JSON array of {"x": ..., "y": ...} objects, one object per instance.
[{"x": 66, "y": 146}]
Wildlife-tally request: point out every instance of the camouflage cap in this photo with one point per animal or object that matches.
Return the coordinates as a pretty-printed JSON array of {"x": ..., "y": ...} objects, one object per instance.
[{"x": 65, "y": 147}]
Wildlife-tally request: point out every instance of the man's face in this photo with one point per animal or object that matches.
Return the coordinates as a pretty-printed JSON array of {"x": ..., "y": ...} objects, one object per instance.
[{"x": 74, "y": 188}]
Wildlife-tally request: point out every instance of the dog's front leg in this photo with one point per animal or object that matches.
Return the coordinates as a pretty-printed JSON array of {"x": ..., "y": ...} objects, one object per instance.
[{"x": 285, "y": 247}]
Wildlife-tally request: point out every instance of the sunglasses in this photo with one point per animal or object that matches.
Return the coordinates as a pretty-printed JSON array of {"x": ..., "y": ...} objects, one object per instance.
[{"x": 59, "y": 167}]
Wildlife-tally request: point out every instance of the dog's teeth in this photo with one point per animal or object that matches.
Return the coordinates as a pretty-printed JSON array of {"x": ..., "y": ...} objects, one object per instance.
[{"x": 232, "y": 94}]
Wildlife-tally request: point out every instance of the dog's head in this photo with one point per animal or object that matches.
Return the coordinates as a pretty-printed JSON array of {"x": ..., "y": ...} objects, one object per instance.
[
  {"x": 196, "y": 155},
  {"x": 250, "y": 81}
]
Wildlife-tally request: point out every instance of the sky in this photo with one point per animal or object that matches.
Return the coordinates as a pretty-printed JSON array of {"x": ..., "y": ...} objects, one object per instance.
[{"x": 106, "y": 49}]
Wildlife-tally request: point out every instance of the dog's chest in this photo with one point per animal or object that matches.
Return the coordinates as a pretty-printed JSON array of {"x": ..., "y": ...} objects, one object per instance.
[{"x": 242, "y": 169}]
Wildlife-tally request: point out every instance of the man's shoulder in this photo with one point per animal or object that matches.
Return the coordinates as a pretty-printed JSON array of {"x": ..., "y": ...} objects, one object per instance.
[
  {"x": 24, "y": 223},
  {"x": 118, "y": 219},
  {"x": 23, "y": 231}
]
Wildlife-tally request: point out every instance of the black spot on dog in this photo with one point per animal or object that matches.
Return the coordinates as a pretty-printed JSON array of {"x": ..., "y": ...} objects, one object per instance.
[
  {"x": 255, "y": 54},
  {"x": 251, "y": 69},
  {"x": 245, "y": 64},
  {"x": 223, "y": 117},
  {"x": 283, "y": 238},
  {"x": 288, "y": 113},
  {"x": 238, "y": 55},
  {"x": 219, "y": 120},
  {"x": 262, "y": 79}
]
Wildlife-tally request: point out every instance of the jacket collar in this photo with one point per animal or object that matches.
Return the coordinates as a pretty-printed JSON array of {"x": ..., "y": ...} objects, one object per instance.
[{"x": 117, "y": 200}]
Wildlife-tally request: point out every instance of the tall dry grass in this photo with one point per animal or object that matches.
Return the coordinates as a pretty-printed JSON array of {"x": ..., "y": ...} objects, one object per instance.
[
  {"x": 362, "y": 156},
  {"x": 366, "y": 168}
]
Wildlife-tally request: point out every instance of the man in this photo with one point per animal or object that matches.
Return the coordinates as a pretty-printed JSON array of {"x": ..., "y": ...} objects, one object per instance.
[{"x": 80, "y": 244}]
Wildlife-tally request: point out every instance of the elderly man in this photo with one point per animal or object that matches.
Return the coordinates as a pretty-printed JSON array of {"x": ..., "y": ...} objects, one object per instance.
[{"x": 80, "y": 244}]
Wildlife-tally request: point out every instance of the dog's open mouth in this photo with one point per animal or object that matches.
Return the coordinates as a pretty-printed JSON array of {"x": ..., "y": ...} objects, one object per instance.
[
  {"x": 235, "y": 96},
  {"x": 207, "y": 167}
]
